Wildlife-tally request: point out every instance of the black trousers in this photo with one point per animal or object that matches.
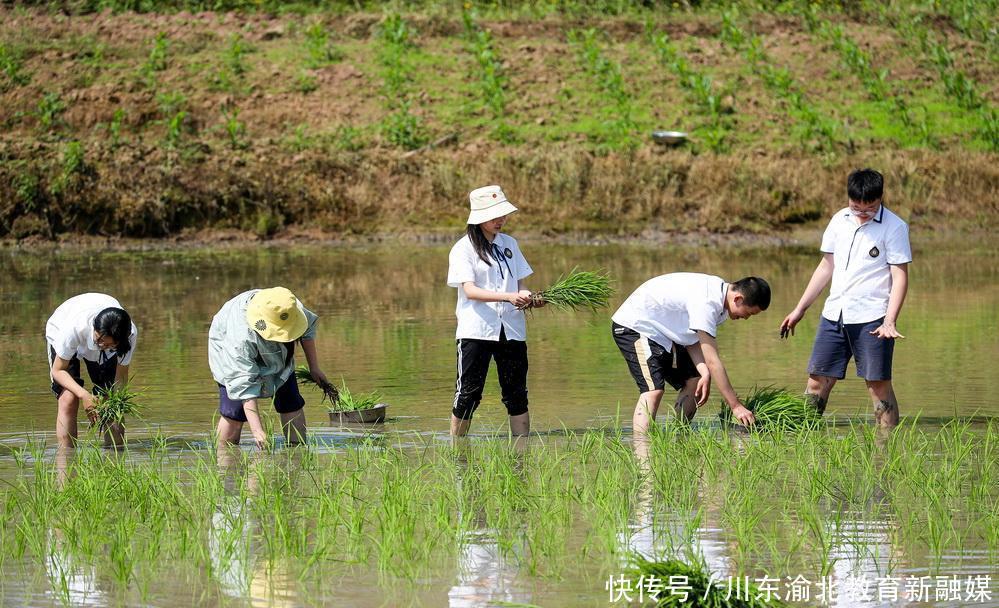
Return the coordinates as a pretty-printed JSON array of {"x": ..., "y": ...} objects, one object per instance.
[{"x": 473, "y": 365}]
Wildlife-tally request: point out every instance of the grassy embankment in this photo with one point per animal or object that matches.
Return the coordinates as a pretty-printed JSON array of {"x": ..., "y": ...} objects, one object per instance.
[{"x": 156, "y": 124}]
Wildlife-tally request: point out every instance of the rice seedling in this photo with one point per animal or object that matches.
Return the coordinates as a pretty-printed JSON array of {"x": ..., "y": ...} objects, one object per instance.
[
  {"x": 777, "y": 408},
  {"x": 351, "y": 401},
  {"x": 698, "y": 587},
  {"x": 330, "y": 392},
  {"x": 114, "y": 403},
  {"x": 576, "y": 290}
]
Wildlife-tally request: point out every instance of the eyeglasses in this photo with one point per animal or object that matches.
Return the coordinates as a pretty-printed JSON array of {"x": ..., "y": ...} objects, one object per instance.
[{"x": 99, "y": 339}]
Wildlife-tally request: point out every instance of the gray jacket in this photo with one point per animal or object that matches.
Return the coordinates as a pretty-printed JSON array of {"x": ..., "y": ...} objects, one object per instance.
[{"x": 247, "y": 365}]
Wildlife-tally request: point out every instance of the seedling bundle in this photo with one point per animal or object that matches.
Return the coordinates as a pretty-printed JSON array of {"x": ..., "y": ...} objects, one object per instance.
[
  {"x": 576, "y": 290},
  {"x": 777, "y": 408}
]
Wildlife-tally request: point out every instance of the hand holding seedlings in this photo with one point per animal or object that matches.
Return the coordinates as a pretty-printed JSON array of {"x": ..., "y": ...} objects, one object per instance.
[
  {"x": 574, "y": 291},
  {"x": 521, "y": 299}
]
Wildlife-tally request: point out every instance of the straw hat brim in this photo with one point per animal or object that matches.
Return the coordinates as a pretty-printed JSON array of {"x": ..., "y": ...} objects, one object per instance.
[{"x": 480, "y": 216}]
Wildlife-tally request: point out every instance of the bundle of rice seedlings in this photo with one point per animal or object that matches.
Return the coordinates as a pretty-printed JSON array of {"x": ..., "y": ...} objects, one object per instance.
[
  {"x": 330, "y": 392},
  {"x": 350, "y": 401},
  {"x": 776, "y": 408},
  {"x": 696, "y": 581},
  {"x": 114, "y": 403},
  {"x": 576, "y": 290}
]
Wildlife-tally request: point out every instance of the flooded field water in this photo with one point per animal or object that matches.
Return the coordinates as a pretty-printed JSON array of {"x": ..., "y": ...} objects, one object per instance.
[{"x": 387, "y": 324}]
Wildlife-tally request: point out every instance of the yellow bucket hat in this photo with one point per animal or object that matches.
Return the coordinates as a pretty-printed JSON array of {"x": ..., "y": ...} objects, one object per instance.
[{"x": 276, "y": 314}]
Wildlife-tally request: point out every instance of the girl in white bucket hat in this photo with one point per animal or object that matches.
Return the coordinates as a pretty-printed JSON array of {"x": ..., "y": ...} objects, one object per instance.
[
  {"x": 251, "y": 352},
  {"x": 488, "y": 269}
]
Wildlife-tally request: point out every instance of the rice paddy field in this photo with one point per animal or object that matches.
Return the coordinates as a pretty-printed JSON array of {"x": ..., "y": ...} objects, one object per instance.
[{"x": 398, "y": 515}]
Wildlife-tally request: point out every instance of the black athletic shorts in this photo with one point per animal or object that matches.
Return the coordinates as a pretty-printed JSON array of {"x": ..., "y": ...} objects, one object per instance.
[{"x": 650, "y": 364}]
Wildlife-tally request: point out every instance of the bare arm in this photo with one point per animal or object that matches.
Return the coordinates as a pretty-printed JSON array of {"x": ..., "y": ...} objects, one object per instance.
[
  {"x": 60, "y": 373},
  {"x": 253, "y": 419},
  {"x": 309, "y": 348},
  {"x": 709, "y": 349},
  {"x": 484, "y": 295},
  {"x": 703, "y": 390},
  {"x": 899, "y": 287},
  {"x": 820, "y": 278}
]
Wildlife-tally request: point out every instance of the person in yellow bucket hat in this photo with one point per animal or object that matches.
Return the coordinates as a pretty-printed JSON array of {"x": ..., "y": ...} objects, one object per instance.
[{"x": 251, "y": 352}]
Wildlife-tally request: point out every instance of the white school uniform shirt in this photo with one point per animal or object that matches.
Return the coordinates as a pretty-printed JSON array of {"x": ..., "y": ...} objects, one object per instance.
[
  {"x": 671, "y": 308},
  {"x": 70, "y": 329},
  {"x": 483, "y": 320},
  {"x": 862, "y": 254}
]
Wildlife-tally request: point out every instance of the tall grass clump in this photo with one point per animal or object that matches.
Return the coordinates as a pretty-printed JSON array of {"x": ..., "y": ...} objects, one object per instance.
[
  {"x": 401, "y": 127},
  {"x": 576, "y": 290},
  {"x": 618, "y": 127},
  {"x": 820, "y": 131},
  {"x": 490, "y": 75},
  {"x": 11, "y": 69},
  {"x": 114, "y": 403},
  {"x": 699, "y": 87},
  {"x": 777, "y": 408},
  {"x": 876, "y": 82}
]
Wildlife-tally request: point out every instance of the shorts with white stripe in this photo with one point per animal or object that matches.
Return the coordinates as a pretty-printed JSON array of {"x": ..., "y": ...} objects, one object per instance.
[
  {"x": 651, "y": 365},
  {"x": 473, "y": 365}
]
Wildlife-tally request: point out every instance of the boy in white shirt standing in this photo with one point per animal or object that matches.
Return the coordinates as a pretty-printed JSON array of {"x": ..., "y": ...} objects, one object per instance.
[
  {"x": 866, "y": 254},
  {"x": 666, "y": 331}
]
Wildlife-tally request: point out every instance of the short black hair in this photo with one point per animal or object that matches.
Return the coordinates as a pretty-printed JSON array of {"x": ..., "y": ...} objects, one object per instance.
[
  {"x": 865, "y": 186},
  {"x": 116, "y": 323},
  {"x": 755, "y": 292}
]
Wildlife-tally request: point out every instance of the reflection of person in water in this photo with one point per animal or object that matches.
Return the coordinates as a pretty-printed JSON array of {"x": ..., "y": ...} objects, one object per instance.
[
  {"x": 678, "y": 535},
  {"x": 485, "y": 574},
  {"x": 235, "y": 566},
  {"x": 73, "y": 581}
]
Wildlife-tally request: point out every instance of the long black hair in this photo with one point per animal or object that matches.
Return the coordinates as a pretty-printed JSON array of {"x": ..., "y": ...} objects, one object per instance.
[
  {"x": 479, "y": 242},
  {"x": 115, "y": 323}
]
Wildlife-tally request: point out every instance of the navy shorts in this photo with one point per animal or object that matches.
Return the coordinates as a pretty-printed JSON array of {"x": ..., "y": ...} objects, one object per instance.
[
  {"x": 101, "y": 372},
  {"x": 836, "y": 342},
  {"x": 287, "y": 399},
  {"x": 650, "y": 364}
]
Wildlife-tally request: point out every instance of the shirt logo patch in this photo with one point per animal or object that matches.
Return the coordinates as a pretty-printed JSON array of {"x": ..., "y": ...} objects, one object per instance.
[
  {"x": 284, "y": 316},
  {"x": 508, "y": 253},
  {"x": 874, "y": 252},
  {"x": 261, "y": 325}
]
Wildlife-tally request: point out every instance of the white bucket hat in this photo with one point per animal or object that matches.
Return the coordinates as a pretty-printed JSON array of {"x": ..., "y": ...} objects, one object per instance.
[{"x": 488, "y": 203}]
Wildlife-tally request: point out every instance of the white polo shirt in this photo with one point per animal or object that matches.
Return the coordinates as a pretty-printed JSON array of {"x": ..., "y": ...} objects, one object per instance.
[
  {"x": 671, "y": 308},
  {"x": 483, "y": 320},
  {"x": 70, "y": 329},
  {"x": 862, "y": 254}
]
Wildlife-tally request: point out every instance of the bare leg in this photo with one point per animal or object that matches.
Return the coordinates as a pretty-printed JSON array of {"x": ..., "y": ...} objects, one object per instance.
[
  {"x": 293, "y": 425},
  {"x": 885, "y": 404},
  {"x": 645, "y": 411},
  {"x": 459, "y": 427},
  {"x": 818, "y": 389},
  {"x": 66, "y": 430},
  {"x": 228, "y": 432},
  {"x": 686, "y": 404},
  {"x": 520, "y": 425}
]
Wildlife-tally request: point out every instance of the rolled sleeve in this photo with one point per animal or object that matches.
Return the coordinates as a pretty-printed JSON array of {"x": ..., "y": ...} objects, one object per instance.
[
  {"x": 899, "y": 249},
  {"x": 460, "y": 268},
  {"x": 313, "y": 318},
  {"x": 524, "y": 269},
  {"x": 701, "y": 315},
  {"x": 829, "y": 239},
  {"x": 65, "y": 346}
]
